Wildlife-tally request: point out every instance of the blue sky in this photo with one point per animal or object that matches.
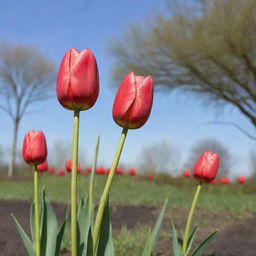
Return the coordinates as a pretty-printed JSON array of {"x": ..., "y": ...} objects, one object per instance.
[{"x": 54, "y": 26}]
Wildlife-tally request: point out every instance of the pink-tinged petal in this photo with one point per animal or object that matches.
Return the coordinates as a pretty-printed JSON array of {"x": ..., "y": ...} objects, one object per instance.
[
  {"x": 142, "y": 106},
  {"x": 124, "y": 99}
]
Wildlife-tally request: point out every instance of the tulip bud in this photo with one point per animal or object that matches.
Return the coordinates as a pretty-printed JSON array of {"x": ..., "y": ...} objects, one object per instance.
[
  {"x": 214, "y": 181},
  {"x": 206, "y": 167},
  {"x": 42, "y": 167},
  {"x": 186, "y": 173},
  {"x": 34, "y": 148},
  {"x": 133, "y": 102},
  {"x": 78, "y": 80},
  {"x": 241, "y": 179}
]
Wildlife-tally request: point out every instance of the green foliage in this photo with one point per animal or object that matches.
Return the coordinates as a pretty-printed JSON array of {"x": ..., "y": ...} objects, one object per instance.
[{"x": 51, "y": 235}]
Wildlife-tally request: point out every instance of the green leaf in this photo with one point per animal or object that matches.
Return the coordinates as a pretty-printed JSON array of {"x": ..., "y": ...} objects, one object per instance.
[
  {"x": 176, "y": 248},
  {"x": 104, "y": 231},
  {"x": 32, "y": 221},
  {"x": 89, "y": 244},
  {"x": 191, "y": 240},
  {"x": 201, "y": 247},
  {"x": 43, "y": 225},
  {"x": 52, "y": 228},
  {"x": 59, "y": 238},
  {"x": 152, "y": 239},
  {"x": 110, "y": 251},
  {"x": 25, "y": 239}
]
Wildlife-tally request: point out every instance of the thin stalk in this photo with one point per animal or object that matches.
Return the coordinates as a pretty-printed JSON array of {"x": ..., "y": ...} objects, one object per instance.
[
  {"x": 37, "y": 216},
  {"x": 189, "y": 220},
  {"x": 104, "y": 196},
  {"x": 74, "y": 185},
  {"x": 91, "y": 186}
]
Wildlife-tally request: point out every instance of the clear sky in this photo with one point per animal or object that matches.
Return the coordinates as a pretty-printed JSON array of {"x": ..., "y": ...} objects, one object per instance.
[{"x": 54, "y": 26}]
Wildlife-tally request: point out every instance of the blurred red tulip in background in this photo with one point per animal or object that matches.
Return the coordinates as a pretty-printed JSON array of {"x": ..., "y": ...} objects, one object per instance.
[
  {"x": 78, "y": 80},
  {"x": 119, "y": 171},
  {"x": 51, "y": 170},
  {"x": 241, "y": 179},
  {"x": 206, "y": 167},
  {"x": 132, "y": 172},
  {"x": 133, "y": 101},
  {"x": 151, "y": 176},
  {"x": 69, "y": 166},
  {"x": 186, "y": 173},
  {"x": 61, "y": 172},
  {"x": 43, "y": 167},
  {"x": 224, "y": 181},
  {"x": 214, "y": 181},
  {"x": 34, "y": 147}
]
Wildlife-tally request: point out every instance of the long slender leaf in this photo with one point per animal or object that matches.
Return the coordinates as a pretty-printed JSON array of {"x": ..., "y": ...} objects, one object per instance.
[
  {"x": 59, "y": 238},
  {"x": 110, "y": 246},
  {"x": 201, "y": 247},
  {"x": 89, "y": 244},
  {"x": 104, "y": 231},
  {"x": 25, "y": 239},
  {"x": 43, "y": 225},
  {"x": 52, "y": 228},
  {"x": 191, "y": 240},
  {"x": 175, "y": 242},
  {"x": 151, "y": 242}
]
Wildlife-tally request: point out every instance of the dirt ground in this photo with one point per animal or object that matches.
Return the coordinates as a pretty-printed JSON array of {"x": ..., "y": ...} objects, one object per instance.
[{"x": 236, "y": 236}]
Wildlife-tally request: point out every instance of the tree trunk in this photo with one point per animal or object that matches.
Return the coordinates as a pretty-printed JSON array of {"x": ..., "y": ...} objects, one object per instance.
[{"x": 14, "y": 147}]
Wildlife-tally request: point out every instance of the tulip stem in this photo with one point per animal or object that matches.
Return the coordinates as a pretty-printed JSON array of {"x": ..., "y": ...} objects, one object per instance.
[
  {"x": 91, "y": 186},
  {"x": 37, "y": 217},
  {"x": 105, "y": 194},
  {"x": 74, "y": 184},
  {"x": 189, "y": 220}
]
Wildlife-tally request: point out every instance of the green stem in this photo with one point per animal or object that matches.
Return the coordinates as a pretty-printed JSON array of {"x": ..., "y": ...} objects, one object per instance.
[
  {"x": 74, "y": 185},
  {"x": 189, "y": 220},
  {"x": 37, "y": 216},
  {"x": 91, "y": 186},
  {"x": 104, "y": 196}
]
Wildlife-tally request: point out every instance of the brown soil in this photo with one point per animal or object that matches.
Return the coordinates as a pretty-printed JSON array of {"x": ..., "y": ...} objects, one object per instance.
[{"x": 236, "y": 237}]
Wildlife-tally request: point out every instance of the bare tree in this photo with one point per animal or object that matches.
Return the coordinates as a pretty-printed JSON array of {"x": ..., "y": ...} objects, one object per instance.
[
  {"x": 214, "y": 146},
  {"x": 209, "y": 51},
  {"x": 26, "y": 77},
  {"x": 159, "y": 157}
]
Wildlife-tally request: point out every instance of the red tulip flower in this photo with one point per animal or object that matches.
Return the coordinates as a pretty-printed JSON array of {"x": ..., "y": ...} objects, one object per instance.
[
  {"x": 224, "y": 181},
  {"x": 151, "y": 176},
  {"x": 214, "y": 181},
  {"x": 42, "y": 167},
  {"x": 34, "y": 148},
  {"x": 89, "y": 170},
  {"x": 133, "y": 102},
  {"x": 100, "y": 170},
  {"x": 61, "y": 173},
  {"x": 132, "y": 172},
  {"x": 78, "y": 80},
  {"x": 69, "y": 166},
  {"x": 186, "y": 173},
  {"x": 241, "y": 179},
  {"x": 206, "y": 167},
  {"x": 119, "y": 171},
  {"x": 51, "y": 170}
]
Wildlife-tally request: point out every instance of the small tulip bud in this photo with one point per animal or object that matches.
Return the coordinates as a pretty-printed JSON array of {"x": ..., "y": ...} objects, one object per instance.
[
  {"x": 206, "y": 167},
  {"x": 34, "y": 148},
  {"x": 133, "y": 101}
]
